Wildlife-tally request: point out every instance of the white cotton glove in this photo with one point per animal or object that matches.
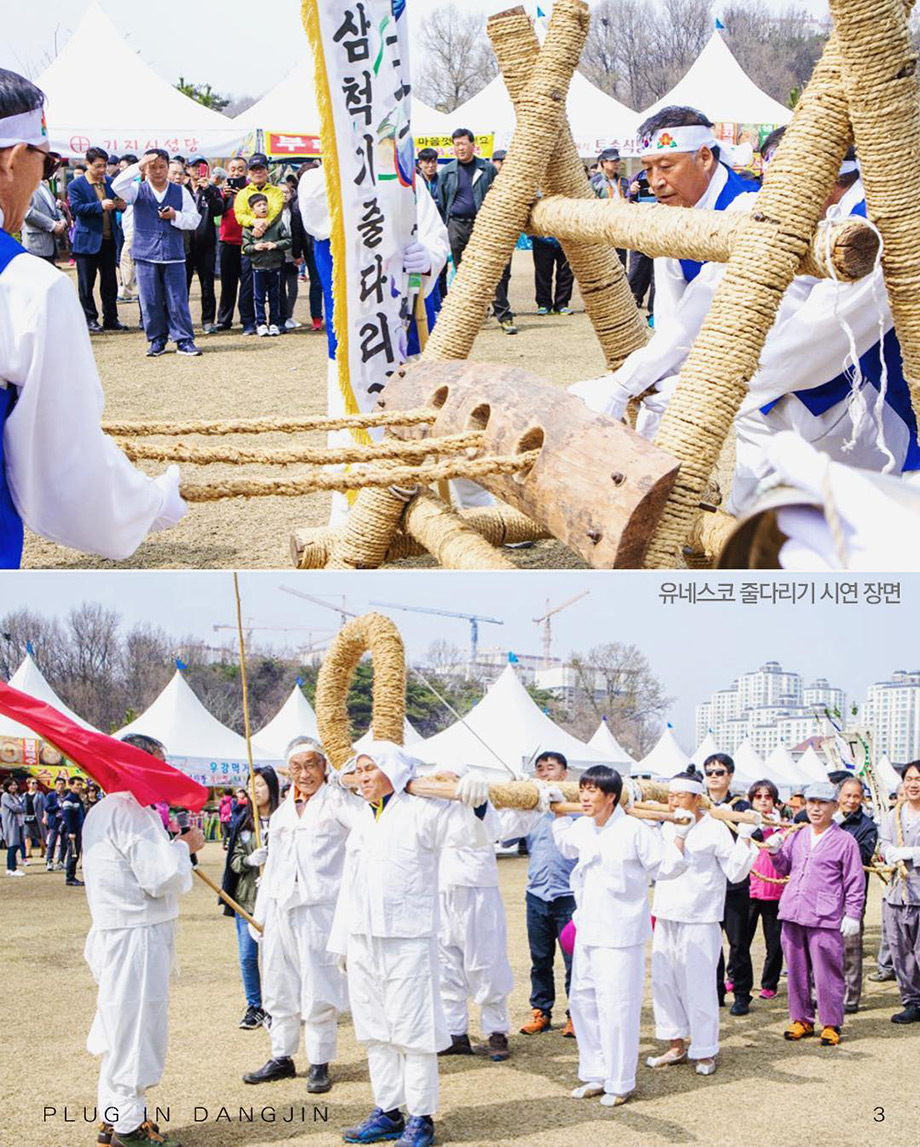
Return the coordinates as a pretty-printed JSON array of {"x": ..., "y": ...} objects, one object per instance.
[
  {"x": 254, "y": 933},
  {"x": 746, "y": 831},
  {"x": 849, "y": 926},
  {"x": 173, "y": 509},
  {"x": 603, "y": 395},
  {"x": 548, "y": 795},
  {"x": 685, "y": 821},
  {"x": 472, "y": 790},
  {"x": 334, "y": 778},
  {"x": 774, "y": 843},
  {"x": 416, "y": 259},
  {"x": 892, "y": 855},
  {"x": 773, "y": 818},
  {"x": 257, "y": 857}
]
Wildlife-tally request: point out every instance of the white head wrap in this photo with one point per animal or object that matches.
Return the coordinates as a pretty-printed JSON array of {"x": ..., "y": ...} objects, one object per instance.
[
  {"x": 26, "y": 127},
  {"x": 303, "y": 745},
  {"x": 685, "y": 785},
  {"x": 396, "y": 764},
  {"x": 691, "y": 138}
]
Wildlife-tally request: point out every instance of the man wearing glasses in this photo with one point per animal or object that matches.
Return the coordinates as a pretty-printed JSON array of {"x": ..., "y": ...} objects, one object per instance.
[
  {"x": 59, "y": 474},
  {"x": 719, "y": 770}
]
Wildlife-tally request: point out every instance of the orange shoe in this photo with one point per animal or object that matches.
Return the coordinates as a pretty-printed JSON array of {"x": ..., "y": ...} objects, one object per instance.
[
  {"x": 568, "y": 1031},
  {"x": 798, "y": 1029},
  {"x": 830, "y": 1036},
  {"x": 539, "y": 1023}
]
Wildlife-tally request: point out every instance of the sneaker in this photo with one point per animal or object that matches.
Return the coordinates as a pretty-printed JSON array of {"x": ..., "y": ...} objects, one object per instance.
[
  {"x": 94, "y": 328},
  {"x": 541, "y": 1022},
  {"x": 187, "y": 347},
  {"x": 252, "y": 1019},
  {"x": 318, "y": 1080},
  {"x": 292, "y": 325},
  {"x": 273, "y": 330},
  {"x": 215, "y": 328},
  {"x": 419, "y": 1132},
  {"x": 459, "y": 1045},
  {"x": 799, "y": 1029},
  {"x": 564, "y": 311},
  {"x": 543, "y": 311},
  {"x": 508, "y": 327},
  {"x": 881, "y": 977},
  {"x": 249, "y": 330},
  {"x": 115, "y": 326},
  {"x": 767, "y": 993},
  {"x": 281, "y": 1068},
  {"x": 59, "y": 867},
  {"x": 568, "y": 1032},
  {"x": 147, "y": 1133},
  {"x": 379, "y": 1126},
  {"x": 910, "y": 1015},
  {"x": 316, "y": 324},
  {"x": 15, "y": 872},
  {"x": 587, "y": 1091},
  {"x": 740, "y": 1007},
  {"x": 261, "y": 330},
  {"x": 156, "y": 348},
  {"x": 72, "y": 883},
  {"x": 850, "y": 1009},
  {"x": 830, "y": 1036},
  {"x": 498, "y": 1047},
  {"x": 265, "y": 1019}
]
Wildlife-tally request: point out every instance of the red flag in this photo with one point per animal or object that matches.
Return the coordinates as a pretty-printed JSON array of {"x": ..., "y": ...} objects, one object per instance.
[{"x": 117, "y": 767}]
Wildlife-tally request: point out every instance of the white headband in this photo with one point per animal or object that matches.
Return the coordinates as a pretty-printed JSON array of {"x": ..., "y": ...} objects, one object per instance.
[
  {"x": 849, "y": 166},
  {"x": 303, "y": 745},
  {"x": 27, "y": 127},
  {"x": 684, "y": 785},
  {"x": 676, "y": 139}
]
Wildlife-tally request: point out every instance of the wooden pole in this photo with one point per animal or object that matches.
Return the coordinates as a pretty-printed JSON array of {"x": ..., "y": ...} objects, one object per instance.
[
  {"x": 256, "y": 827},
  {"x": 227, "y": 898}
]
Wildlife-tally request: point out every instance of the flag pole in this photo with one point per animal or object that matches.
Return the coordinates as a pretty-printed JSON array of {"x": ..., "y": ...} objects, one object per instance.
[{"x": 256, "y": 827}]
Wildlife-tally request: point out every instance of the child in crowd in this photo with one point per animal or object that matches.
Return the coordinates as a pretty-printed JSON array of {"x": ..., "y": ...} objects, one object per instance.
[{"x": 267, "y": 257}]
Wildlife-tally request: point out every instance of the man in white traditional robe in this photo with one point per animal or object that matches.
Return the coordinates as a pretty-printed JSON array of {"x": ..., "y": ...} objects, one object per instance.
[
  {"x": 386, "y": 930},
  {"x": 302, "y": 984},
  {"x": 134, "y": 875}
]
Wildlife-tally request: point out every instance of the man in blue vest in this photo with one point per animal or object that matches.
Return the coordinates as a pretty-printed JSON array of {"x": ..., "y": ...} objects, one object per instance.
[
  {"x": 162, "y": 211},
  {"x": 685, "y": 167},
  {"x": 58, "y": 472}
]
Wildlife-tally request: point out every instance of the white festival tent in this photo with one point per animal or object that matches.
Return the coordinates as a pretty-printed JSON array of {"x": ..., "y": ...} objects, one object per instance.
[
  {"x": 749, "y": 765},
  {"x": 605, "y": 742},
  {"x": 410, "y": 737},
  {"x": 781, "y": 767},
  {"x": 101, "y": 93},
  {"x": 28, "y": 679},
  {"x": 705, "y": 749},
  {"x": 810, "y": 767},
  {"x": 718, "y": 86},
  {"x": 596, "y": 119},
  {"x": 295, "y": 718},
  {"x": 889, "y": 775},
  {"x": 666, "y": 759},
  {"x": 502, "y": 733},
  {"x": 196, "y": 742}
]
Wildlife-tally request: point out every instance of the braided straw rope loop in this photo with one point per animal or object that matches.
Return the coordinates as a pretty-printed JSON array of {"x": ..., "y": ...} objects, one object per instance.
[{"x": 374, "y": 633}]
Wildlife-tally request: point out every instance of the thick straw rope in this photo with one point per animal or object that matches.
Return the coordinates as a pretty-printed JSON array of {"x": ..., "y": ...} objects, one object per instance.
[
  {"x": 420, "y": 417},
  {"x": 602, "y": 281},
  {"x": 389, "y": 448},
  {"x": 706, "y": 236},
  {"x": 878, "y": 66},
  {"x": 764, "y": 261},
  {"x": 376, "y": 634},
  {"x": 500, "y": 525},
  {"x": 446, "y": 536},
  {"x": 376, "y": 476}
]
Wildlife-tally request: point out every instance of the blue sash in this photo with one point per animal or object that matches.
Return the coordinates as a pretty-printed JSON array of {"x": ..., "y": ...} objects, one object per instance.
[
  {"x": 11, "y": 531},
  {"x": 735, "y": 185}
]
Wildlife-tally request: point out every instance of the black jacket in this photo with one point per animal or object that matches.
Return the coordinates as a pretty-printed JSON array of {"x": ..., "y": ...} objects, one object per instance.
[
  {"x": 74, "y": 813},
  {"x": 864, "y": 831},
  {"x": 743, "y": 887},
  {"x": 210, "y": 204},
  {"x": 446, "y": 192},
  {"x": 299, "y": 237}
]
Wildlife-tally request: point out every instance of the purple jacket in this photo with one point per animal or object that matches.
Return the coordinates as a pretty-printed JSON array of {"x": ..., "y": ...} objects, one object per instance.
[{"x": 826, "y": 880}]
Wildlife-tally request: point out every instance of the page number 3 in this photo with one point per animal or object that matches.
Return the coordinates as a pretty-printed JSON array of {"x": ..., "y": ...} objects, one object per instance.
[{"x": 878, "y": 1115}]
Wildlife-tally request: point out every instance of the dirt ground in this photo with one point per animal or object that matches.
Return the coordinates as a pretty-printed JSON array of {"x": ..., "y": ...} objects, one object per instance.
[
  {"x": 239, "y": 377},
  {"x": 764, "y": 1091}
]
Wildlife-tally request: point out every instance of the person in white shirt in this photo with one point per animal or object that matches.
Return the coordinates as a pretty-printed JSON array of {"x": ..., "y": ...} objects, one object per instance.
[
  {"x": 302, "y": 984},
  {"x": 59, "y": 474},
  {"x": 688, "y": 934},
  {"x": 617, "y": 856},
  {"x": 386, "y": 930},
  {"x": 134, "y": 875}
]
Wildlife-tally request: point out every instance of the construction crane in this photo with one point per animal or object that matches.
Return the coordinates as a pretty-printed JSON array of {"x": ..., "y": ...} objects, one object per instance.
[
  {"x": 546, "y": 622},
  {"x": 339, "y": 609},
  {"x": 308, "y": 647},
  {"x": 473, "y": 618}
]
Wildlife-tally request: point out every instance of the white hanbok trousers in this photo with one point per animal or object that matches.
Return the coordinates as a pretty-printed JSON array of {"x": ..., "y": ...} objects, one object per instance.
[
  {"x": 401, "y": 1077},
  {"x": 605, "y": 1001},
  {"x": 473, "y": 952},
  {"x": 301, "y": 981},
  {"x": 684, "y": 996},
  {"x": 130, "y": 1030}
]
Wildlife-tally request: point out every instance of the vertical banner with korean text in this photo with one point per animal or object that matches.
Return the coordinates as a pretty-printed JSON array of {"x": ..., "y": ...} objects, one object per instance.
[{"x": 362, "y": 75}]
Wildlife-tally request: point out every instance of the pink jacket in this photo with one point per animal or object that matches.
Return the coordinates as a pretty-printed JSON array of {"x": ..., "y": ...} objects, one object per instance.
[{"x": 763, "y": 867}]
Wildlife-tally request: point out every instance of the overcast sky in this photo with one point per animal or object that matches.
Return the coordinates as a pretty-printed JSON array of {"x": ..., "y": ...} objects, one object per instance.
[
  {"x": 238, "y": 48},
  {"x": 694, "y": 650}
]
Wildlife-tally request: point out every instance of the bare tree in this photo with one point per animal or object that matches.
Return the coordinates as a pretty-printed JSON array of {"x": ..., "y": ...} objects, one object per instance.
[
  {"x": 457, "y": 60},
  {"x": 631, "y": 698},
  {"x": 778, "y": 50},
  {"x": 23, "y": 628},
  {"x": 445, "y": 658}
]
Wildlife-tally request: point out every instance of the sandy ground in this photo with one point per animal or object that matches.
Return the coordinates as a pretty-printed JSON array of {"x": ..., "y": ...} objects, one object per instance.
[
  {"x": 764, "y": 1091},
  {"x": 241, "y": 377}
]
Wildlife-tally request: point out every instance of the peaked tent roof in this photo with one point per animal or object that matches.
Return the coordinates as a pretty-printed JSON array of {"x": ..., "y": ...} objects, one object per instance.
[
  {"x": 749, "y": 764},
  {"x": 195, "y": 741},
  {"x": 605, "y": 742},
  {"x": 666, "y": 759},
  {"x": 291, "y": 106},
  {"x": 810, "y": 767},
  {"x": 781, "y": 767},
  {"x": 514, "y": 728},
  {"x": 28, "y": 678},
  {"x": 705, "y": 749},
  {"x": 718, "y": 86},
  {"x": 889, "y": 775},
  {"x": 597, "y": 120},
  {"x": 410, "y": 737},
  {"x": 295, "y": 718},
  {"x": 121, "y": 103}
]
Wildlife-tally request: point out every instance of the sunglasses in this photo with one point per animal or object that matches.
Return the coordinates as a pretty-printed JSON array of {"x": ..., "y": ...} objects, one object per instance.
[
  {"x": 716, "y": 772},
  {"x": 51, "y": 158}
]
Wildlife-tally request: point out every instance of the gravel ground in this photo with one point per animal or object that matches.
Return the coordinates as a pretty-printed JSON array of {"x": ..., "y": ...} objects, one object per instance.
[
  {"x": 764, "y": 1091},
  {"x": 241, "y": 377}
]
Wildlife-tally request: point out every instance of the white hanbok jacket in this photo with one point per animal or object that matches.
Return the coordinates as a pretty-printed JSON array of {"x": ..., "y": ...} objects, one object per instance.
[{"x": 715, "y": 857}]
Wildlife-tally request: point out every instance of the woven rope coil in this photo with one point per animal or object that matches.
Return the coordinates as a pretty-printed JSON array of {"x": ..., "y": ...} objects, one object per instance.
[
  {"x": 449, "y": 538},
  {"x": 725, "y": 355},
  {"x": 376, "y": 634},
  {"x": 602, "y": 281},
  {"x": 879, "y": 75},
  {"x": 419, "y": 417}
]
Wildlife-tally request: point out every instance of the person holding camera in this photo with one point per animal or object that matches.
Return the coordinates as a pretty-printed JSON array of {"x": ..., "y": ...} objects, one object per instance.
[{"x": 162, "y": 211}]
